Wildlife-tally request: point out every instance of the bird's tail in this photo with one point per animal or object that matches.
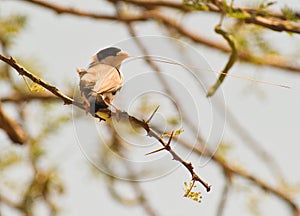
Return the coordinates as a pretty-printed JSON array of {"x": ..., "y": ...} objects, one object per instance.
[{"x": 96, "y": 104}]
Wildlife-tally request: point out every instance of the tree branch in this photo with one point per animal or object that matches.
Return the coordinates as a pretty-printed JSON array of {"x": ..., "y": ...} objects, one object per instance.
[
  {"x": 156, "y": 3},
  {"x": 278, "y": 62},
  {"x": 9, "y": 202},
  {"x": 51, "y": 88},
  {"x": 123, "y": 115},
  {"x": 224, "y": 196},
  {"x": 230, "y": 40},
  {"x": 72, "y": 11},
  {"x": 153, "y": 133},
  {"x": 21, "y": 97},
  {"x": 14, "y": 131},
  {"x": 277, "y": 22},
  {"x": 260, "y": 17}
]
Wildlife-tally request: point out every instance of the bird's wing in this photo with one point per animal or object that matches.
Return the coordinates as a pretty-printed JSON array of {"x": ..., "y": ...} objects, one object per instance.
[
  {"x": 86, "y": 85},
  {"x": 101, "y": 78},
  {"x": 97, "y": 72},
  {"x": 111, "y": 81}
]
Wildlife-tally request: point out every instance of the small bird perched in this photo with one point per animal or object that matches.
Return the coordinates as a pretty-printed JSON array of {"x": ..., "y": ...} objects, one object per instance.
[{"x": 102, "y": 80}]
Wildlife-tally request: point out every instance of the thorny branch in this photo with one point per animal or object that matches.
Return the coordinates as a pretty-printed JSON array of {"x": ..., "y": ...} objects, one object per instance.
[
  {"x": 152, "y": 133},
  {"x": 164, "y": 83},
  {"x": 274, "y": 21},
  {"x": 123, "y": 115}
]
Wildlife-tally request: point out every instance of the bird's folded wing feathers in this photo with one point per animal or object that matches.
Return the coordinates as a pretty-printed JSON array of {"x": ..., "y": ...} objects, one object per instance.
[
  {"x": 111, "y": 82},
  {"x": 102, "y": 78},
  {"x": 86, "y": 85}
]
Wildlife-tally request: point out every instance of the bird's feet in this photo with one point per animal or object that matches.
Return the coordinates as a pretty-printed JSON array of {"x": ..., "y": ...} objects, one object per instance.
[
  {"x": 118, "y": 112},
  {"x": 87, "y": 108},
  {"x": 87, "y": 104}
]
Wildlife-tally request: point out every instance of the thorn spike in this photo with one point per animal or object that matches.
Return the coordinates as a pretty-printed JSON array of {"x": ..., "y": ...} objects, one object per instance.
[
  {"x": 155, "y": 151},
  {"x": 149, "y": 119},
  {"x": 171, "y": 137}
]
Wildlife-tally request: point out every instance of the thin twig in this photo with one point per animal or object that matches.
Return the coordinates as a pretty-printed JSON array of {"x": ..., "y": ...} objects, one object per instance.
[
  {"x": 225, "y": 193},
  {"x": 233, "y": 56},
  {"x": 21, "y": 98},
  {"x": 224, "y": 197},
  {"x": 254, "y": 144}
]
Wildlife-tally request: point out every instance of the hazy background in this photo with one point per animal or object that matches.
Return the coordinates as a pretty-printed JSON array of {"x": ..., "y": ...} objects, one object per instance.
[{"x": 60, "y": 44}]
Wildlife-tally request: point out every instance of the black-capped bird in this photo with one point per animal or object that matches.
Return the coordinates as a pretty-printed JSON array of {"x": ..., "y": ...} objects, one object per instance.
[{"x": 102, "y": 80}]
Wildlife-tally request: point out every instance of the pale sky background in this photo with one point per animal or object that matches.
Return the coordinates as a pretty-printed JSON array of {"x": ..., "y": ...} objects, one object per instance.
[{"x": 270, "y": 114}]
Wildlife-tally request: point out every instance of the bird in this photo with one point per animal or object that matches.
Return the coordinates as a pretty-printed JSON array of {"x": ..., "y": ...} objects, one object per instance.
[{"x": 100, "y": 82}]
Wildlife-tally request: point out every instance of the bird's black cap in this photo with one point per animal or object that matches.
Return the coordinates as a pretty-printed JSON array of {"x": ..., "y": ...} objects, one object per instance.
[{"x": 111, "y": 51}]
